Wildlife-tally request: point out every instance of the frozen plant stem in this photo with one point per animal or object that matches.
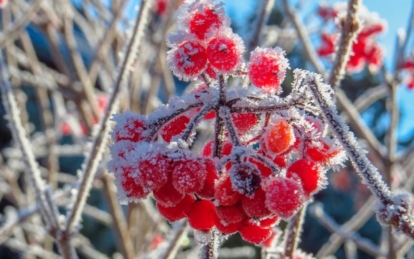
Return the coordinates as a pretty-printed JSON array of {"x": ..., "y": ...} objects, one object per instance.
[
  {"x": 209, "y": 251},
  {"x": 48, "y": 208},
  {"x": 393, "y": 209},
  {"x": 349, "y": 32},
  {"x": 100, "y": 139},
  {"x": 293, "y": 232}
]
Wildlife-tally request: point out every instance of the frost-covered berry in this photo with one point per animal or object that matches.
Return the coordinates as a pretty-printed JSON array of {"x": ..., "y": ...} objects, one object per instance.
[
  {"x": 231, "y": 214},
  {"x": 308, "y": 173},
  {"x": 201, "y": 215},
  {"x": 178, "y": 211},
  {"x": 188, "y": 60},
  {"x": 153, "y": 170},
  {"x": 131, "y": 188},
  {"x": 253, "y": 233},
  {"x": 279, "y": 137},
  {"x": 269, "y": 222},
  {"x": 255, "y": 206},
  {"x": 284, "y": 197},
  {"x": 245, "y": 178},
  {"x": 205, "y": 23},
  {"x": 207, "y": 191},
  {"x": 174, "y": 128},
  {"x": 267, "y": 68},
  {"x": 271, "y": 241},
  {"x": 225, "y": 227},
  {"x": 264, "y": 170},
  {"x": 167, "y": 195},
  {"x": 323, "y": 150},
  {"x": 224, "y": 192},
  {"x": 211, "y": 72},
  {"x": 244, "y": 122},
  {"x": 129, "y": 126},
  {"x": 225, "y": 51},
  {"x": 188, "y": 174}
]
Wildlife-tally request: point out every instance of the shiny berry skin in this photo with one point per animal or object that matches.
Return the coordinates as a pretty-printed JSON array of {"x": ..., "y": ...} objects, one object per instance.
[
  {"x": 284, "y": 197},
  {"x": 129, "y": 126},
  {"x": 167, "y": 195},
  {"x": 325, "y": 151},
  {"x": 224, "y": 52},
  {"x": 224, "y": 192},
  {"x": 308, "y": 173},
  {"x": 231, "y": 214},
  {"x": 269, "y": 222},
  {"x": 255, "y": 206},
  {"x": 188, "y": 174},
  {"x": 207, "y": 191},
  {"x": 154, "y": 170},
  {"x": 204, "y": 23},
  {"x": 267, "y": 69},
  {"x": 201, "y": 215},
  {"x": 244, "y": 122},
  {"x": 225, "y": 227},
  {"x": 226, "y": 148},
  {"x": 253, "y": 233},
  {"x": 279, "y": 137},
  {"x": 188, "y": 60},
  {"x": 245, "y": 178},
  {"x": 174, "y": 127},
  {"x": 178, "y": 211}
]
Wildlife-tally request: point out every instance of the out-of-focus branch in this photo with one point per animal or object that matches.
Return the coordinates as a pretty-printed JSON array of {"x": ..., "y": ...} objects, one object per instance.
[
  {"x": 293, "y": 232},
  {"x": 350, "y": 29}
]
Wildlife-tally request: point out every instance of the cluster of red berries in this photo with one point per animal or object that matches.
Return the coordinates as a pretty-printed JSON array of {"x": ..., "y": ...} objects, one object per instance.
[
  {"x": 366, "y": 50},
  {"x": 230, "y": 185}
]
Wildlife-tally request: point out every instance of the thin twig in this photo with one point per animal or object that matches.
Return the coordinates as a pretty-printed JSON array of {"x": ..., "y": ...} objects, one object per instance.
[{"x": 293, "y": 232}]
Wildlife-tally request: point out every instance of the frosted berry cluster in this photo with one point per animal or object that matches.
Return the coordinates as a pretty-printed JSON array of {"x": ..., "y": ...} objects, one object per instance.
[
  {"x": 366, "y": 50},
  {"x": 268, "y": 157},
  {"x": 408, "y": 66}
]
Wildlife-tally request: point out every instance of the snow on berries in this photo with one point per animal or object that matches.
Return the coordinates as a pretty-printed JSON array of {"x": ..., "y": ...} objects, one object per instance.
[
  {"x": 267, "y": 68},
  {"x": 267, "y": 156}
]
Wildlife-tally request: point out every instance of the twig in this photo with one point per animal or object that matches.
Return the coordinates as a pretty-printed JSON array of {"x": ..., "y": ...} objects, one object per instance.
[
  {"x": 101, "y": 137},
  {"x": 210, "y": 250},
  {"x": 176, "y": 240},
  {"x": 362, "y": 243},
  {"x": 293, "y": 231},
  {"x": 349, "y": 32}
]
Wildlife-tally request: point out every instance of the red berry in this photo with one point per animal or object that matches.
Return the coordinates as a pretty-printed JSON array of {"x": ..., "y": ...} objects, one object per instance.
[
  {"x": 211, "y": 72},
  {"x": 325, "y": 151},
  {"x": 279, "y": 137},
  {"x": 244, "y": 122},
  {"x": 253, "y": 233},
  {"x": 154, "y": 170},
  {"x": 281, "y": 161},
  {"x": 226, "y": 150},
  {"x": 187, "y": 60},
  {"x": 264, "y": 170},
  {"x": 207, "y": 191},
  {"x": 231, "y": 214},
  {"x": 175, "y": 127},
  {"x": 224, "y": 192},
  {"x": 271, "y": 241},
  {"x": 284, "y": 197},
  {"x": 167, "y": 195},
  {"x": 201, "y": 215},
  {"x": 129, "y": 126},
  {"x": 245, "y": 179},
  {"x": 308, "y": 173},
  {"x": 255, "y": 206},
  {"x": 269, "y": 222},
  {"x": 267, "y": 68},
  {"x": 188, "y": 174},
  {"x": 225, "y": 227},
  {"x": 131, "y": 187},
  {"x": 178, "y": 211},
  {"x": 203, "y": 24},
  {"x": 224, "y": 52}
]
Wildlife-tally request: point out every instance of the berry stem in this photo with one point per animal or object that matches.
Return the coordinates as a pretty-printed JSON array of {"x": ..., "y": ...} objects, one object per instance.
[
  {"x": 393, "y": 209},
  {"x": 209, "y": 251},
  {"x": 225, "y": 111},
  {"x": 195, "y": 120},
  {"x": 293, "y": 232},
  {"x": 219, "y": 126}
]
